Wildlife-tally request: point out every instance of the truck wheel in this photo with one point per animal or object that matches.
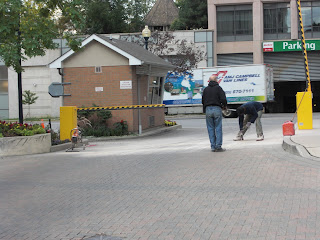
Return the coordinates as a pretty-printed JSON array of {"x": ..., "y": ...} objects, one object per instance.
[{"x": 227, "y": 113}]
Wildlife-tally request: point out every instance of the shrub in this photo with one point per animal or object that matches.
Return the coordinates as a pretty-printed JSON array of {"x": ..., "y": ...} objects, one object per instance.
[
  {"x": 121, "y": 128},
  {"x": 55, "y": 138},
  {"x": 102, "y": 130},
  {"x": 97, "y": 131},
  {"x": 170, "y": 123},
  {"x": 94, "y": 123}
]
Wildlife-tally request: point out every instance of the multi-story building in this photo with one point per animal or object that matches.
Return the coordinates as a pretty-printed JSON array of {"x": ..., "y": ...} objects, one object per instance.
[{"x": 241, "y": 29}]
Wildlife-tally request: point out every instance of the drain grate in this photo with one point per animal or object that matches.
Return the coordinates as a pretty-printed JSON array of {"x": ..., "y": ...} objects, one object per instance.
[{"x": 102, "y": 237}]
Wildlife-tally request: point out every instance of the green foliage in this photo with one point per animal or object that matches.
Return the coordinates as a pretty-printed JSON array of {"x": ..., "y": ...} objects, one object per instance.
[
  {"x": 95, "y": 117},
  {"x": 193, "y": 14},
  {"x": 104, "y": 115},
  {"x": 104, "y": 16},
  {"x": 85, "y": 113},
  {"x": 55, "y": 138},
  {"x": 137, "y": 10},
  {"x": 121, "y": 128},
  {"x": 8, "y": 129},
  {"x": 28, "y": 27},
  {"x": 98, "y": 125},
  {"x": 186, "y": 57},
  {"x": 112, "y": 16},
  {"x": 97, "y": 131},
  {"x": 29, "y": 97}
]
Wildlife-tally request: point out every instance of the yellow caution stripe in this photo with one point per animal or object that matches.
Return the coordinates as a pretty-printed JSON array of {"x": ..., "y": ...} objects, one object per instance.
[
  {"x": 306, "y": 64},
  {"x": 121, "y": 107}
]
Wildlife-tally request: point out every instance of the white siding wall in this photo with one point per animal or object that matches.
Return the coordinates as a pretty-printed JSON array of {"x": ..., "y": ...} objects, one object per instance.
[{"x": 36, "y": 77}]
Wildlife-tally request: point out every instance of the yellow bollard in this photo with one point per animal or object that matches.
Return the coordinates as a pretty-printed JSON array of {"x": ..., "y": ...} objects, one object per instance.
[
  {"x": 304, "y": 110},
  {"x": 68, "y": 121}
]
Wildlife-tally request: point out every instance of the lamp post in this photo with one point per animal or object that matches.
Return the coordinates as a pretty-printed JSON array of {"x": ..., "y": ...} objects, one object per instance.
[{"x": 146, "y": 33}]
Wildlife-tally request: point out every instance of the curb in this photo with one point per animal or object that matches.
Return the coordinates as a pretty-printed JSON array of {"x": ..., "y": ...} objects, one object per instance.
[
  {"x": 296, "y": 149},
  {"x": 144, "y": 134},
  {"x": 65, "y": 146}
]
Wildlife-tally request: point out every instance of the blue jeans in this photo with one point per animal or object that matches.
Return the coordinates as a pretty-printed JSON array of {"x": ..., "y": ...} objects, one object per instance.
[{"x": 214, "y": 126}]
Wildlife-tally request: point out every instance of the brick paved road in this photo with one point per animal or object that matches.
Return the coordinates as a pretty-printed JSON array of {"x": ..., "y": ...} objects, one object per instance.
[{"x": 164, "y": 187}]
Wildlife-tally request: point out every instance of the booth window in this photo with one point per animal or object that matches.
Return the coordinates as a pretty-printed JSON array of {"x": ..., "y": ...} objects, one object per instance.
[
  {"x": 276, "y": 21},
  {"x": 311, "y": 19},
  {"x": 234, "y": 23},
  {"x": 155, "y": 85}
]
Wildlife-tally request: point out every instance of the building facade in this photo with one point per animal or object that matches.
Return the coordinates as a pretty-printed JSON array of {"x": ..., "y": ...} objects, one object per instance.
[
  {"x": 111, "y": 72},
  {"x": 244, "y": 30},
  {"x": 37, "y": 76}
]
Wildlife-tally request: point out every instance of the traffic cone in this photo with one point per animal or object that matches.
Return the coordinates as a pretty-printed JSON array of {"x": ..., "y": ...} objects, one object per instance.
[{"x": 42, "y": 123}]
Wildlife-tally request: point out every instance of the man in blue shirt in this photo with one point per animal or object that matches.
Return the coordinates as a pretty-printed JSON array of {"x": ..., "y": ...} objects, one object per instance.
[{"x": 249, "y": 113}]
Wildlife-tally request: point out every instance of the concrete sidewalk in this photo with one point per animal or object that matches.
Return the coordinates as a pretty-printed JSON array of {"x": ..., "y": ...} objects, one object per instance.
[{"x": 305, "y": 143}]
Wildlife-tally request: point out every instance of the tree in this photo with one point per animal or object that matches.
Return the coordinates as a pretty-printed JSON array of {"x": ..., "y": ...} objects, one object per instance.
[
  {"x": 29, "y": 98},
  {"x": 28, "y": 28},
  {"x": 137, "y": 10},
  {"x": 104, "y": 16},
  {"x": 182, "y": 54},
  {"x": 193, "y": 14},
  {"x": 113, "y": 16}
]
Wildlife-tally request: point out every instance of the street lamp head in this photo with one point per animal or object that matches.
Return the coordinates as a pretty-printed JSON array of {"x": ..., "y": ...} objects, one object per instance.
[{"x": 146, "y": 33}]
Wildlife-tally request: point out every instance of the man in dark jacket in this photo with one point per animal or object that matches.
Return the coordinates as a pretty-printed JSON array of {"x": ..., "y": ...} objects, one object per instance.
[
  {"x": 249, "y": 113},
  {"x": 213, "y": 100}
]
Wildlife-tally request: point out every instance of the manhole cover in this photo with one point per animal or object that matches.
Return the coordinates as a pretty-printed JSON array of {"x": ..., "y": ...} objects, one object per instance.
[{"x": 103, "y": 237}]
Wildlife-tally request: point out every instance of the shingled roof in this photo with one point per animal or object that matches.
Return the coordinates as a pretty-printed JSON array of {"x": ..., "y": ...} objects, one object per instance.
[
  {"x": 136, "y": 54},
  {"x": 163, "y": 13},
  {"x": 137, "y": 51}
]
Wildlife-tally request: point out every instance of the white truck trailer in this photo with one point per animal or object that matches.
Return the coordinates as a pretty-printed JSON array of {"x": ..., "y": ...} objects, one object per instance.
[{"x": 242, "y": 83}]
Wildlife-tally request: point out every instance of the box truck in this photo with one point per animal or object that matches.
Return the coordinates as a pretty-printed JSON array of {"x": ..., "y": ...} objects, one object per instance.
[{"x": 241, "y": 83}]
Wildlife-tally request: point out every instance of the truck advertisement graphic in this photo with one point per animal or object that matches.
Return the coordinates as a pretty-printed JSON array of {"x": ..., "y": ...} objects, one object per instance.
[
  {"x": 180, "y": 89},
  {"x": 241, "y": 84}
]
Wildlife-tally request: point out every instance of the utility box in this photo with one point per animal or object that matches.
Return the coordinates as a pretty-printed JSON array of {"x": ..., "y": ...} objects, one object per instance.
[
  {"x": 304, "y": 110},
  {"x": 68, "y": 121}
]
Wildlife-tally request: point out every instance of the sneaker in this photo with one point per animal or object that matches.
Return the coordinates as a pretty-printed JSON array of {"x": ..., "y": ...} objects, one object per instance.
[
  {"x": 260, "y": 138},
  {"x": 238, "y": 138},
  {"x": 220, "y": 150}
]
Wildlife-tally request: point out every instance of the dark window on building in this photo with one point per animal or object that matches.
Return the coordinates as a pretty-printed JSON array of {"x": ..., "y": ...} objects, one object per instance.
[
  {"x": 3, "y": 80},
  {"x": 311, "y": 19},
  {"x": 277, "y": 21},
  {"x": 234, "y": 23},
  {"x": 155, "y": 85},
  {"x": 4, "y": 100},
  {"x": 63, "y": 44}
]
